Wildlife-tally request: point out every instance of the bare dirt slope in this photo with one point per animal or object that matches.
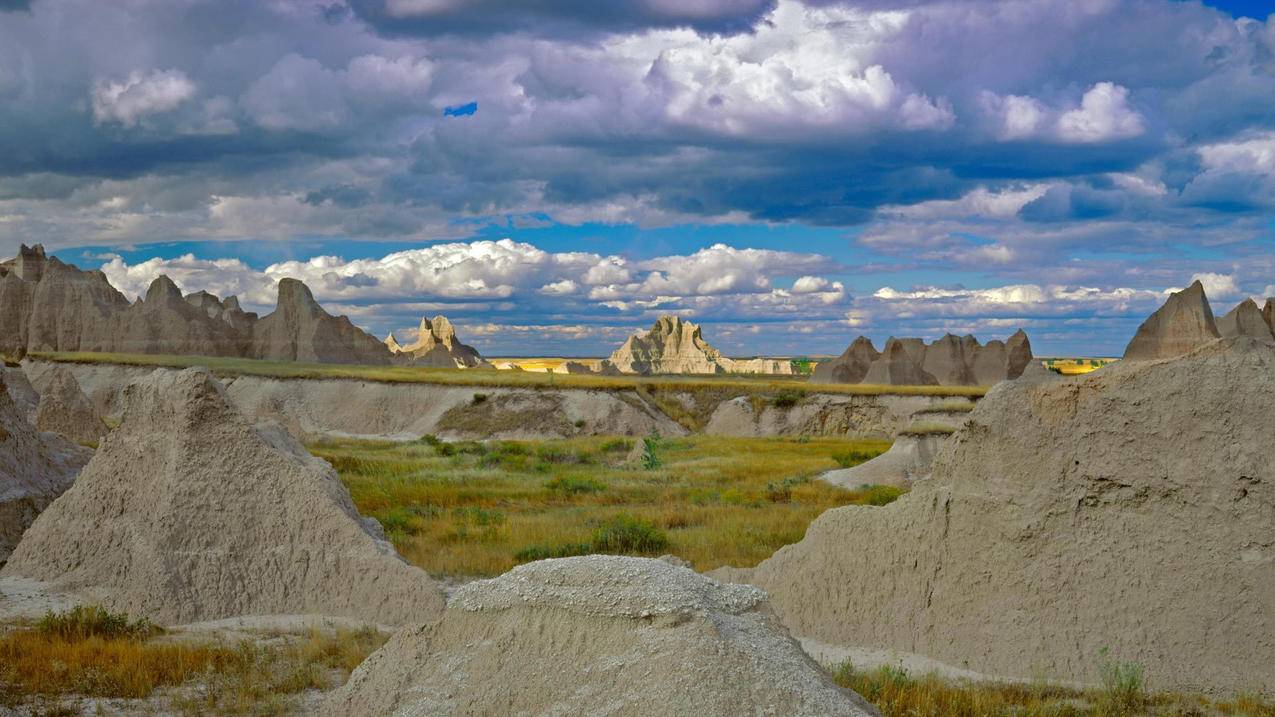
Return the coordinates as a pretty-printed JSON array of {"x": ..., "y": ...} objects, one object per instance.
[
  {"x": 190, "y": 512},
  {"x": 597, "y": 635},
  {"x": 64, "y": 408},
  {"x": 1131, "y": 509}
]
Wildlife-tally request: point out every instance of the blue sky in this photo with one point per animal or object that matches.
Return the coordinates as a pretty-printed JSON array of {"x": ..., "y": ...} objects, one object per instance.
[{"x": 554, "y": 175}]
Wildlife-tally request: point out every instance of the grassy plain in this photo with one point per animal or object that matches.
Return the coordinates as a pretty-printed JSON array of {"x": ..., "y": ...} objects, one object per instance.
[{"x": 478, "y": 509}]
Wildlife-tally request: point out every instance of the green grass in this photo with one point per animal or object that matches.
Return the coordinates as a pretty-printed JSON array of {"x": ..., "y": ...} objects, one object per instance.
[
  {"x": 478, "y": 509},
  {"x": 736, "y": 383},
  {"x": 927, "y": 429}
]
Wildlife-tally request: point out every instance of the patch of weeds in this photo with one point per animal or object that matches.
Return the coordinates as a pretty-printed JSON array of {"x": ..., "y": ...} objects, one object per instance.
[
  {"x": 927, "y": 429},
  {"x": 544, "y": 552},
  {"x": 83, "y": 622},
  {"x": 616, "y": 445},
  {"x": 853, "y": 457},
  {"x": 398, "y": 520},
  {"x": 650, "y": 458},
  {"x": 625, "y": 534},
  {"x": 787, "y": 398},
  {"x": 1123, "y": 689},
  {"x": 479, "y": 398},
  {"x": 880, "y": 495},
  {"x": 570, "y": 485},
  {"x": 781, "y": 491},
  {"x": 580, "y": 424}
]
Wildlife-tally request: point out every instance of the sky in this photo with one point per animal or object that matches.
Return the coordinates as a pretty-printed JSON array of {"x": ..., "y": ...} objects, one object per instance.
[{"x": 554, "y": 174}]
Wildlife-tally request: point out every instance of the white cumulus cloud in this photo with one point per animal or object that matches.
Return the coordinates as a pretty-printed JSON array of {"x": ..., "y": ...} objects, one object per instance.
[{"x": 140, "y": 95}]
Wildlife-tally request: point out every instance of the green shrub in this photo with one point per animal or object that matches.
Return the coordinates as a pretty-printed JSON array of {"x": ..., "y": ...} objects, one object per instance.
[
  {"x": 479, "y": 398},
  {"x": 626, "y": 534},
  {"x": 543, "y": 552},
  {"x": 650, "y": 459},
  {"x": 579, "y": 423},
  {"x": 1122, "y": 683},
  {"x": 852, "y": 458},
  {"x": 397, "y": 520},
  {"x": 570, "y": 485},
  {"x": 879, "y": 495},
  {"x": 83, "y": 622},
  {"x": 788, "y": 398}
]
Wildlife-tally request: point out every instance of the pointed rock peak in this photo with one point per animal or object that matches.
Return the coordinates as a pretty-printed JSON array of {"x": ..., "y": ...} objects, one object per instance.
[
  {"x": 30, "y": 261},
  {"x": 1181, "y": 325},
  {"x": 442, "y": 329},
  {"x": 231, "y": 303},
  {"x": 1245, "y": 320},
  {"x": 861, "y": 343},
  {"x": 392, "y": 343},
  {"x": 294, "y": 293},
  {"x": 163, "y": 290}
]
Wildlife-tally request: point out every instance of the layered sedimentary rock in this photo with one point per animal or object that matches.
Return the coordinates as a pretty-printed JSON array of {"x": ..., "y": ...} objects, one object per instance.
[
  {"x": 1185, "y": 322},
  {"x": 47, "y": 305},
  {"x": 190, "y": 512},
  {"x": 35, "y": 468},
  {"x": 909, "y": 459},
  {"x": 1245, "y": 320},
  {"x": 64, "y": 408},
  {"x": 1128, "y": 513},
  {"x": 950, "y": 361},
  {"x": 436, "y": 346},
  {"x": 897, "y": 367},
  {"x": 551, "y": 638},
  {"x": 676, "y": 346}
]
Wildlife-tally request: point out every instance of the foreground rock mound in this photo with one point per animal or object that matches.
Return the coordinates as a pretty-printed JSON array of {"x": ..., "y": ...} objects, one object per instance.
[
  {"x": 676, "y": 346},
  {"x": 189, "y": 513},
  {"x": 436, "y": 346},
  {"x": 597, "y": 635},
  {"x": 1131, "y": 509},
  {"x": 64, "y": 408},
  {"x": 949, "y": 361},
  {"x": 1183, "y": 324},
  {"x": 35, "y": 468}
]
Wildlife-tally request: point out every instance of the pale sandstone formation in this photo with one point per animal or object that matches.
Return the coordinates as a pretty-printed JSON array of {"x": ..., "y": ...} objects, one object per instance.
[
  {"x": 1185, "y": 322},
  {"x": 909, "y": 459},
  {"x": 189, "y": 512},
  {"x": 64, "y": 408},
  {"x": 1131, "y": 509},
  {"x": 46, "y": 305},
  {"x": 436, "y": 346},
  {"x": 596, "y": 635},
  {"x": 850, "y": 367},
  {"x": 1245, "y": 320},
  {"x": 896, "y": 366},
  {"x": 951, "y": 361},
  {"x": 35, "y": 468},
  {"x": 676, "y": 346}
]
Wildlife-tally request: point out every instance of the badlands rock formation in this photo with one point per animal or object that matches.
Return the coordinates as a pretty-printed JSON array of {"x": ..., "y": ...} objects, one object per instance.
[
  {"x": 1184, "y": 323},
  {"x": 188, "y": 512},
  {"x": 64, "y": 408},
  {"x": 597, "y": 635},
  {"x": 676, "y": 346},
  {"x": 909, "y": 459},
  {"x": 1245, "y": 320},
  {"x": 46, "y": 305},
  {"x": 35, "y": 468},
  {"x": 1131, "y": 509},
  {"x": 436, "y": 346},
  {"x": 20, "y": 391},
  {"x": 949, "y": 361}
]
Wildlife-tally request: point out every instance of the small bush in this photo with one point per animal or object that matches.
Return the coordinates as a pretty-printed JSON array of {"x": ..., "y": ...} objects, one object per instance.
[
  {"x": 580, "y": 423},
  {"x": 879, "y": 495},
  {"x": 569, "y": 485},
  {"x": 626, "y": 534},
  {"x": 852, "y": 458},
  {"x": 544, "y": 552},
  {"x": 650, "y": 459},
  {"x": 479, "y": 398},
  {"x": 787, "y": 398},
  {"x": 397, "y": 520},
  {"x": 1122, "y": 683},
  {"x": 83, "y": 622}
]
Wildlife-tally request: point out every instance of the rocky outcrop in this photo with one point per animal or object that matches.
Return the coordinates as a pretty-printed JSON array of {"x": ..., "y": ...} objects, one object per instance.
[
  {"x": 300, "y": 330},
  {"x": 1245, "y": 320},
  {"x": 190, "y": 512},
  {"x": 47, "y": 305},
  {"x": 549, "y": 638},
  {"x": 1185, "y": 322},
  {"x": 676, "y": 346},
  {"x": 897, "y": 367},
  {"x": 950, "y": 361},
  {"x": 436, "y": 346},
  {"x": 1129, "y": 512},
  {"x": 909, "y": 459},
  {"x": 20, "y": 391},
  {"x": 35, "y": 468},
  {"x": 850, "y": 367},
  {"x": 64, "y": 408}
]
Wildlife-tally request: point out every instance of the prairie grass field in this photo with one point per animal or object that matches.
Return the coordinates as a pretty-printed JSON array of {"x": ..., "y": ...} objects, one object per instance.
[
  {"x": 742, "y": 383},
  {"x": 478, "y": 509}
]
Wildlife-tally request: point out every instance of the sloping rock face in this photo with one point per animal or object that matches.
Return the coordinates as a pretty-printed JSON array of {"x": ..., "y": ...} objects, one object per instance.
[
  {"x": 1245, "y": 320},
  {"x": 896, "y": 367},
  {"x": 300, "y": 330},
  {"x": 909, "y": 459},
  {"x": 35, "y": 468},
  {"x": 951, "y": 360},
  {"x": 436, "y": 346},
  {"x": 188, "y": 512},
  {"x": 1018, "y": 349},
  {"x": 1268, "y": 313},
  {"x": 20, "y": 391},
  {"x": 46, "y": 305},
  {"x": 64, "y": 408},
  {"x": 1131, "y": 509},
  {"x": 1185, "y": 322},
  {"x": 850, "y": 367},
  {"x": 676, "y": 346},
  {"x": 549, "y": 638}
]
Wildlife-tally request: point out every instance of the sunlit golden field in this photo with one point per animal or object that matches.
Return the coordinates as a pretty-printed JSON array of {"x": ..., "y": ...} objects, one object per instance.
[{"x": 480, "y": 508}]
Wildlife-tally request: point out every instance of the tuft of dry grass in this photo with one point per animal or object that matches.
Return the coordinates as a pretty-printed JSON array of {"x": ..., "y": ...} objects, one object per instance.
[
  {"x": 922, "y": 428},
  {"x": 471, "y": 509}
]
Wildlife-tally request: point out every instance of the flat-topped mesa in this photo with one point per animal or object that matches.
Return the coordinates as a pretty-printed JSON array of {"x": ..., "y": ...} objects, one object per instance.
[
  {"x": 850, "y": 367},
  {"x": 300, "y": 330},
  {"x": 436, "y": 346},
  {"x": 1184, "y": 323},
  {"x": 674, "y": 345},
  {"x": 1245, "y": 320}
]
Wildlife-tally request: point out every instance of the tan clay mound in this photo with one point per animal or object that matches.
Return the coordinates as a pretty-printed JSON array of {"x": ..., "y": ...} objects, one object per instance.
[
  {"x": 64, "y": 408},
  {"x": 34, "y": 469},
  {"x": 188, "y": 513},
  {"x": 597, "y": 635},
  {"x": 909, "y": 459},
  {"x": 1131, "y": 509}
]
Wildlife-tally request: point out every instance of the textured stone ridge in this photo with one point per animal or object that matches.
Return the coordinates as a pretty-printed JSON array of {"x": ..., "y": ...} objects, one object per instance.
[
  {"x": 1184, "y": 323},
  {"x": 34, "y": 468},
  {"x": 64, "y": 408},
  {"x": 46, "y": 305},
  {"x": 188, "y": 512},
  {"x": 625, "y": 637},
  {"x": 949, "y": 361},
  {"x": 1132, "y": 509},
  {"x": 436, "y": 346},
  {"x": 676, "y": 346},
  {"x": 1245, "y": 320}
]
